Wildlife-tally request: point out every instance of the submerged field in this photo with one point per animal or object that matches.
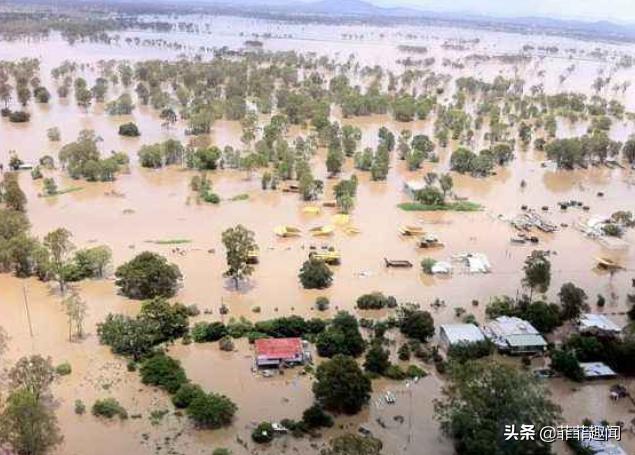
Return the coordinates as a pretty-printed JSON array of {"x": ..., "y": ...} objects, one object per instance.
[{"x": 156, "y": 210}]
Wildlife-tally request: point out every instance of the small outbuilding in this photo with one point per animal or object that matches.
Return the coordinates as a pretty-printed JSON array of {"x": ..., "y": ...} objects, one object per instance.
[
  {"x": 597, "y": 370},
  {"x": 454, "y": 334},
  {"x": 598, "y": 324},
  {"x": 275, "y": 352},
  {"x": 412, "y": 187},
  {"x": 515, "y": 335}
]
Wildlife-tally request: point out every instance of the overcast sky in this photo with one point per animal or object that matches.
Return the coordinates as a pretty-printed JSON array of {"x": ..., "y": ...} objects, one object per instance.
[{"x": 616, "y": 10}]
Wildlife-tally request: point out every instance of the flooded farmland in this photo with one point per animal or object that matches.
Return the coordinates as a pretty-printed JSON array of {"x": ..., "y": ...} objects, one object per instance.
[{"x": 143, "y": 208}]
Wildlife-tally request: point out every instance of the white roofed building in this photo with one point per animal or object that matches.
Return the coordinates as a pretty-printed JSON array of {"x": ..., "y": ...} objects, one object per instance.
[{"x": 514, "y": 335}]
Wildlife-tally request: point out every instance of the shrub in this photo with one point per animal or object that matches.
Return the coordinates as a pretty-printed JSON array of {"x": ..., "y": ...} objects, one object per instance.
[
  {"x": 374, "y": 301},
  {"x": 315, "y": 417},
  {"x": 63, "y": 369},
  {"x": 377, "y": 359},
  {"x": 129, "y": 130},
  {"x": 404, "y": 352},
  {"x": 186, "y": 394},
  {"x": 163, "y": 371},
  {"x": 315, "y": 274},
  {"x": 222, "y": 451},
  {"x": 203, "y": 332},
  {"x": 109, "y": 408},
  {"x": 226, "y": 344},
  {"x": 427, "y": 264},
  {"x": 211, "y": 410},
  {"x": 413, "y": 371},
  {"x": 395, "y": 372},
  {"x": 80, "y": 407},
  {"x": 19, "y": 117},
  {"x": 468, "y": 351},
  {"x": 322, "y": 303},
  {"x": 263, "y": 433}
]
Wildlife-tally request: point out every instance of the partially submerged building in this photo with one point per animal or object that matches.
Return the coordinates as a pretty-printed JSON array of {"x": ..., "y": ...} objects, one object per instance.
[
  {"x": 598, "y": 324},
  {"x": 514, "y": 335},
  {"x": 276, "y": 352},
  {"x": 455, "y": 334},
  {"x": 597, "y": 370},
  {"x": 412, "y": 187}
]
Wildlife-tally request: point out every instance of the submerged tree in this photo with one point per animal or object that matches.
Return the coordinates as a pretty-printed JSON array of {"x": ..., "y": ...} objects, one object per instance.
[
  {"x": 240, "y": 244},
  {"x": 483, "y": 398},
  {"x": 537, "y": 270}
]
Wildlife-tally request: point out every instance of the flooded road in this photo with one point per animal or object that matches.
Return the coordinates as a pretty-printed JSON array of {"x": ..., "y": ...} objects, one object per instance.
[{"x": 152, "y": 205}]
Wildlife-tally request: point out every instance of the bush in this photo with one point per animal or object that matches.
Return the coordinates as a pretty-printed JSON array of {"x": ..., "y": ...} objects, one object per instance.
[
  {"x": 468, "y": 351},
  {"x": 375, "y": 301},
  {"x": 80, "y": 407},
  {"x": 226, "y": 344},
  {"x": 148, "y": 275},
  {"x": 211, "y": 410},
  {"x": 404, "y": 352},
  {"x": 322, "y": 303},
  {"x": 19, "y": 117},
  {"x": 222, "y": 451},
  {"x": 109, "y": 408},
  {"x": 204, "y": 332},
  {"x": 186, "y": 394},
  {"x": 163, "y": 371},
  {"x": 263, "y": 433},
  {"x": 63, "y": 369},
  {"x": 413, "y": 371},
  {"x": 315, "y": 417},
  {"x": 129, "y": 130},
  {"x": 315, "y": 274},
  {"x": 395, "y": 372}
]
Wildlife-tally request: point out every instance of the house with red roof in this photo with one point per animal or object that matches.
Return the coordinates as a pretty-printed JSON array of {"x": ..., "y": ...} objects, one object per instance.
[{"x": 274, "y": 352}]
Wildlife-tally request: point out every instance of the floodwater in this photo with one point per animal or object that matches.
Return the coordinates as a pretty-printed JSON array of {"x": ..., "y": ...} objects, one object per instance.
[{"x": 145, "y": 205}]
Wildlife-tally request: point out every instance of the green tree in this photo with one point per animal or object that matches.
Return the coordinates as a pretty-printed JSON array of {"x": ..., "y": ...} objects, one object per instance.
[
  {"x": 565, "y": 362},
  {"x": 573, "y": 300},
  {"x": 28, "y": 426},
  {"x": 416, "y": 323},
  {"x": 341, "y": 385},
  {"x": 377, "y": 358},
  {"x": 342, "y": 336},
  {"x": 164, "y": 372},
  {"x": 148, "y": 275},
  {"x": 315, "y": 274},
  {"x": 12, "y": 195},
  {"x": 75, "y": 309},
  {"x": 239, "y": 244},
  {"x": 481, "y": 398},
  {"x": 537, "y": 270},
  {"x": 34, "y": 374},
  {"x": 211, "y": 410},
  {"x": 59, "y": 244}
]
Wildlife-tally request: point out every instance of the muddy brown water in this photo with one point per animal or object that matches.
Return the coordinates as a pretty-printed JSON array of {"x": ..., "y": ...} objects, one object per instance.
[{"x": 146, "y": 205}]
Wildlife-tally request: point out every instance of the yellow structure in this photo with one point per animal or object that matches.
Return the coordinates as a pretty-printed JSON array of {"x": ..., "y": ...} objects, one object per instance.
[{"x": 287, "y": 231}]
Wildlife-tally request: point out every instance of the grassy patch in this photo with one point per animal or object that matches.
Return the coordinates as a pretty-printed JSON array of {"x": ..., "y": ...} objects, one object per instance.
[
  {"x": 240, "y": 197},
  {"x": 169, "y": 241},
  {"x": 72, "y": 189},
  {"x": 461, "y": 206}
]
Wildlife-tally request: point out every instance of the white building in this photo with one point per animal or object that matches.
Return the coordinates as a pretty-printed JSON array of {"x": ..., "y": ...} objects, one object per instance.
[
  {"x": 597, "y": 370},
  {"x": 598, "y": 323},
  {"x": 514, "y": 335},
  {"x": 453, "y": 334},
  {"x": 411, "y": 187}
]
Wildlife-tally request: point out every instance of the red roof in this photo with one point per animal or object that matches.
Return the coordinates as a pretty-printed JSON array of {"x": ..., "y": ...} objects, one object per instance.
[{"x": 278, "y": 348}]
